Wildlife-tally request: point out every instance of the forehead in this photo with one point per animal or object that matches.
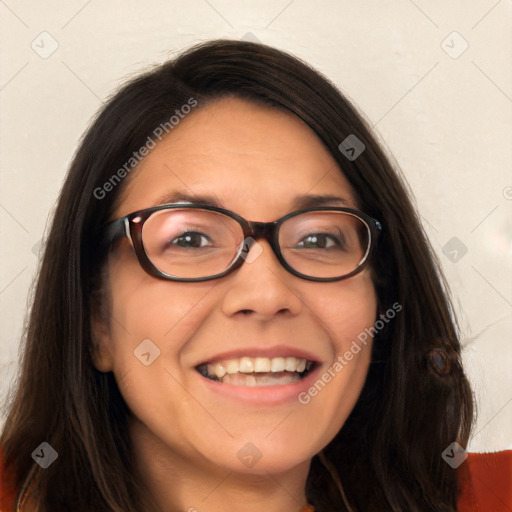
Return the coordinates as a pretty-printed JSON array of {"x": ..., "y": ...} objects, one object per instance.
[{"x": 254, "y": 160}]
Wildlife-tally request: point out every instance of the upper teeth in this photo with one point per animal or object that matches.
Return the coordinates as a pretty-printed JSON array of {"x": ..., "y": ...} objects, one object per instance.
[{"x": 256, "y": 365}]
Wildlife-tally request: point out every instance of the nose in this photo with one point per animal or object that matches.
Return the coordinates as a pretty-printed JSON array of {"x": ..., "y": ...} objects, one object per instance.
[{"x": 261, "y": 286}]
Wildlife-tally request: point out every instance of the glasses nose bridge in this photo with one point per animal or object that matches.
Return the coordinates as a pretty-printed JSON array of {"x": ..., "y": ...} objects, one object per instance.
[{"x": 265, "y": 230}]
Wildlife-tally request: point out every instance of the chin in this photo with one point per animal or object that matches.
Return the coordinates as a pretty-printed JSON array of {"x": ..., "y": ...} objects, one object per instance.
[{"x": 261, "y": 457}]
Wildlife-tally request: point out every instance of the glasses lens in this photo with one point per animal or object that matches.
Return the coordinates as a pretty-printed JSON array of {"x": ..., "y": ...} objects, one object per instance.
[
  {"x": 324, "y": 244},
  {"x": 191, "y": 243}
]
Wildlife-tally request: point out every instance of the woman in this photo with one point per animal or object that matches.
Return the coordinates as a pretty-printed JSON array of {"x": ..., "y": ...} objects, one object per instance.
[{"x": 237, "y": 308}]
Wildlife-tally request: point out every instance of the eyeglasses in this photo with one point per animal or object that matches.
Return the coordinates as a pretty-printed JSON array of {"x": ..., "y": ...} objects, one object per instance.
[{"x": 193, "y": 242}]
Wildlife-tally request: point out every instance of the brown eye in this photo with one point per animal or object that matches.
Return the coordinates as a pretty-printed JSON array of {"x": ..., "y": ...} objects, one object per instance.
[
  {"x": 319, "y": 241},
  {"x": 191, "y": 240}
]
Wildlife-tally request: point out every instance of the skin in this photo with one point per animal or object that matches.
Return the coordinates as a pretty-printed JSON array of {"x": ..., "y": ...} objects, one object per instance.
[{"x": 185, "y": 437}]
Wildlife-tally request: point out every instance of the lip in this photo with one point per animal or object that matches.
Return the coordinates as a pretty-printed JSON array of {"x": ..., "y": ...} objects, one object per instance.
[
  {"x": 270, "y": 352},
  {"x": 263, "y": 395}
]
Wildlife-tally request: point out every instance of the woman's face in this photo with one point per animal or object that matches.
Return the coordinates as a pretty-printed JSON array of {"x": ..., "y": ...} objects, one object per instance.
[{"x": 256, "y": 162}]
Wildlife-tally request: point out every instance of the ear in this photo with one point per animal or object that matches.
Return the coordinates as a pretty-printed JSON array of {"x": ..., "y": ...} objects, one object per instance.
[{"x": 101, "y": 342}]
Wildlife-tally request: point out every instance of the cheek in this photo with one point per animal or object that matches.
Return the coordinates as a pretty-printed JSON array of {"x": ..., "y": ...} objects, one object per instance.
[
  {"x": 152, "y": 322},
  {"x": 145, "y": 307},
  {"x": 150, "y": 325},
  {"x": 346, "y": 308}
]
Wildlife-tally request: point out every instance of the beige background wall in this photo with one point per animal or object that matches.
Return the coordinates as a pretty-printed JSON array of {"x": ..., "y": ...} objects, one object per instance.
[{"x": 433, "y": 78}]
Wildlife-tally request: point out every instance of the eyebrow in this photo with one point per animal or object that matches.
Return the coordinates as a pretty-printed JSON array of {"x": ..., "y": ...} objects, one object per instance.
[{"x": 299, "y": 202}]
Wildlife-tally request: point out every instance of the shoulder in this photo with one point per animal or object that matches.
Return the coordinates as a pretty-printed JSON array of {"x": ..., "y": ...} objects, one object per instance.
[{"x": 485, "y": 482}]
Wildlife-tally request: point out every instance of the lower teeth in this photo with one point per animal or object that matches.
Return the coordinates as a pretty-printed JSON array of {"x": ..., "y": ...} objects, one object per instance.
[{"x": 260, "y": 379}]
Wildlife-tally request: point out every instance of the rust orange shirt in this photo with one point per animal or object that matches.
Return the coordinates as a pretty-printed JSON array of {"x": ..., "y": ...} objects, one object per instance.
[{"x": 485, "y": 484}]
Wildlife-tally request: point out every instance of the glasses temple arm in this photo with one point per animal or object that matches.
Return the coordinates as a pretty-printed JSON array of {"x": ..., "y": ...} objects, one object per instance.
[{"x": 114, "y": 231}]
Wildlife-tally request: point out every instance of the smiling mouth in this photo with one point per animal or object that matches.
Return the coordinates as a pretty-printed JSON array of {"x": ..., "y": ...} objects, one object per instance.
[{"x": 257, "y": 371}]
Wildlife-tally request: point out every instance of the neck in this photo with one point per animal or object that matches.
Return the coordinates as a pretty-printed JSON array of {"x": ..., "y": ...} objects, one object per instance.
[{"x": 192, "y": 484}]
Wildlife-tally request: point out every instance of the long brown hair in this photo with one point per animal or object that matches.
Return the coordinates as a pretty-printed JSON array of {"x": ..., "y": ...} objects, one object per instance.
[{"x": 387, "y": 456}]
